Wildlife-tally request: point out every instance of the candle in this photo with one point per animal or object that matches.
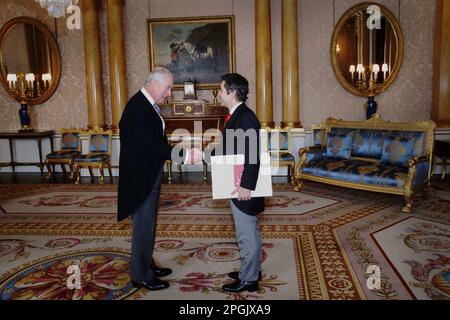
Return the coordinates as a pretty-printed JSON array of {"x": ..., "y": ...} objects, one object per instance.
[
  {"x": 352, "y": 70},
  {"x": 376, "y": 69},
  {"x": 12, "y": 79},
  {"x": 360, "y": 70},
  {"x": 29, "y": 77},
  {"x": 47, "y": 77},
  {"x": 385, "y": 69}
]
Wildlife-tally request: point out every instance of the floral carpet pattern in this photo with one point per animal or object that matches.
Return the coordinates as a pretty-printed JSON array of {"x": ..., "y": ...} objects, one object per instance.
[
  {"x": 317, "y": 244},
  {"x": 171, "y": 202}
]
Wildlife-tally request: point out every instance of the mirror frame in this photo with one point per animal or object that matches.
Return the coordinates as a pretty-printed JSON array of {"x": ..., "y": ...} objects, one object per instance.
[
  {"x": 399, "y": 58},
  {"x": 54, "y": 51}
]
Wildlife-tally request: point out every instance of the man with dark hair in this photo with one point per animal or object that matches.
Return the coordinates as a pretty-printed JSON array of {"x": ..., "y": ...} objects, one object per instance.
[{"x": 233, "y": 94}]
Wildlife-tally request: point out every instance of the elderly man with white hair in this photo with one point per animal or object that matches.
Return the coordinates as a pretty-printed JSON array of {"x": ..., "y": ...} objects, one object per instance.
[{"x": 143, "y": 150}]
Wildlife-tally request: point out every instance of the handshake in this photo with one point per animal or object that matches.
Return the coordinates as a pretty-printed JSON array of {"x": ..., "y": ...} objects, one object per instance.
[{"x": 194, "y": 156}]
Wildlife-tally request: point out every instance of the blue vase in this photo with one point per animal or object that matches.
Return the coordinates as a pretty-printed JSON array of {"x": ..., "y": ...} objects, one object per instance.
[
  {"x": 24, "y": 116},
  {"x": 371, "y": 107}
]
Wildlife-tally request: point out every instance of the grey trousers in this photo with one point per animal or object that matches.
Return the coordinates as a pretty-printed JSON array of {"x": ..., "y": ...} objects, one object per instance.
[
  {"x": 143, "y": 236},
  {"x": 250, "y": 245}
]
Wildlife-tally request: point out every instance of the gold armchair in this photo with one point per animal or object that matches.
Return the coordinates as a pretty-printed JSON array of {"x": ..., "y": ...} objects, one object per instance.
[
  {"x": 279, "y": 146},
  {"x": 99, "y": 155},
  {"x": 69, "y": 150}
]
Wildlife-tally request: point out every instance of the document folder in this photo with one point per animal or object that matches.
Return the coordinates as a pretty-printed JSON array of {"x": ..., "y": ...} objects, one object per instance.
[{"x": 226, "y": 173}]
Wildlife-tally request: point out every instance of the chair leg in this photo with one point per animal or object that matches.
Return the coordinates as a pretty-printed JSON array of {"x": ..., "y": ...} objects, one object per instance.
[
  {"x": 408, "y": 203},
  {"x": 91, "y": 173},
  {"x": 77, "y": 174},
  {"x": 169, "y": 170},
  {"x": 71, "y": 167},
  {"x": 293, "y": 174},
  {"x": 444, "y": 167},
  {"x": 299, "y": 186},
  {"x": 102, "y": 174},
  {"x": 289, "y": 174},
  {"x": 205, "y": 171},
  {"x": 63, "y": 168},
  {"x": 433, "y": 166},
  {"x": 49, "y": 169},
  {"x": 110, "y": 172}
]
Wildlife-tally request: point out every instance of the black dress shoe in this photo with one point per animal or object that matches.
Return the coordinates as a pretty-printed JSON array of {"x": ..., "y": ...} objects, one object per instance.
[
  {"x": 239, "y": 286},
  {"x": 161, "y": 272},
  {"x": 154, "y": 285},
  {"x": 235, "y": 275}
]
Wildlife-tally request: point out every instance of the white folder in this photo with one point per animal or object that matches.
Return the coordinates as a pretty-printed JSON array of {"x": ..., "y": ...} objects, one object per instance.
[{"x": 224, "y": 170}]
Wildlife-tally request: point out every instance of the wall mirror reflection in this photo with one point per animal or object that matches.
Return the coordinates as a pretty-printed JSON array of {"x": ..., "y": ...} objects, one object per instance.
[
  {"x": 367, "y": 49},
  {"x": 30, "y": 60}
]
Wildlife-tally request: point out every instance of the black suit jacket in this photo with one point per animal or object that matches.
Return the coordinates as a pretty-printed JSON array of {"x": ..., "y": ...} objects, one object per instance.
[
  {"x": 143, "y": 150},
  {"x": 244, "y": 118}
]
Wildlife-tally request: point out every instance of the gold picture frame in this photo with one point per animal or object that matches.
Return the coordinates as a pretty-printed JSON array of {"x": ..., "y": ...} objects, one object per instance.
[{"x": 201, "y": 48}]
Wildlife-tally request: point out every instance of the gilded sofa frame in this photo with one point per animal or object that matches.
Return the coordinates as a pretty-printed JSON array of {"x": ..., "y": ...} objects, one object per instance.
[{"x": 376, "y": 123}]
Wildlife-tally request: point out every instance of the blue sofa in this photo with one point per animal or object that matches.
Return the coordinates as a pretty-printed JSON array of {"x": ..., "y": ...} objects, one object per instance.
[{"x": 373, "y": 155}]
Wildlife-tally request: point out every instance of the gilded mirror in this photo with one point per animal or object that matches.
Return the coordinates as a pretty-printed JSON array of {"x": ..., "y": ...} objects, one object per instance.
[
  {"x": 30, "y": 60},
  {"x": 367, "y": 49}
]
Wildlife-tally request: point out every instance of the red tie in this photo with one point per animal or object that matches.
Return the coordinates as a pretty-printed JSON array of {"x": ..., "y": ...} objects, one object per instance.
[{"x": 227, "y": 118}]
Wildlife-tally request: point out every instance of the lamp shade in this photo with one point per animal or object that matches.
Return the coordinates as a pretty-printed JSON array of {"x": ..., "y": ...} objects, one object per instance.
[
  {"x": 30, "y": 77},
  {"x": 11, "y": 77},
  {"x": 46, "y": 77}
]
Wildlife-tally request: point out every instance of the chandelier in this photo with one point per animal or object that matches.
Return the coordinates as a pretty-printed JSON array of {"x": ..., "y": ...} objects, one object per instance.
[{"x": 56, "y": 8}]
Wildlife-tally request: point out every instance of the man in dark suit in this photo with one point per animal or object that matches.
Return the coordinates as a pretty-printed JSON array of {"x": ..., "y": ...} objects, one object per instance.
[
  {"x": 233, "y": 94},
  {"x": 143, "y": 151}
]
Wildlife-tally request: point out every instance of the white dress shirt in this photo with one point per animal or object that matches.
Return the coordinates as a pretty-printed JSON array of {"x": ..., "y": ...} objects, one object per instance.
[
  {"x": 153, "y": 103},
  {"x": 235, "y": 107}
]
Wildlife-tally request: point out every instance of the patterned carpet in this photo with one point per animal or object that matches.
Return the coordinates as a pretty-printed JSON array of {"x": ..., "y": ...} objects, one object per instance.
[{"x": 317, "y": 244}]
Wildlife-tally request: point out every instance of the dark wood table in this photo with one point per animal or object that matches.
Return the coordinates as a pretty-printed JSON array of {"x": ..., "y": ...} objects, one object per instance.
[
  {"x": 32, "y": 135},
  {"x": 442, "y": 151}
]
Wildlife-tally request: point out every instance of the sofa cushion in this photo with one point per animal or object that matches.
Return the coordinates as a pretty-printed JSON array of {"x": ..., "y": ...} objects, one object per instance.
[
  {"x": 339, "y": 146},
  {"x": 417, "y": 136},
  {"x": 367, "y": 143},
  {"x": 63, "y": 154},
  {"x": 357, "y": 171},
  {"x": 319, "y": 135},
  {"x": 397, "y": 151}
]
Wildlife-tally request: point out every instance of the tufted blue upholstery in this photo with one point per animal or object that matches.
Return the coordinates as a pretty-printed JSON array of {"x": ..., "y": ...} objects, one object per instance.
[
  {"x": 339, "y": 146},
  {"x": 397, "y": 150}
]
